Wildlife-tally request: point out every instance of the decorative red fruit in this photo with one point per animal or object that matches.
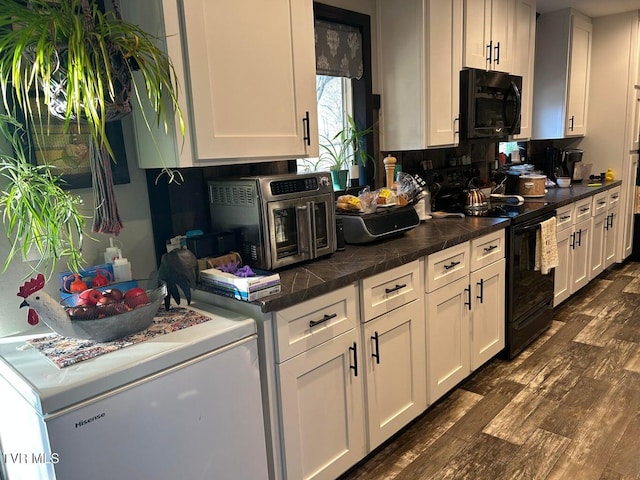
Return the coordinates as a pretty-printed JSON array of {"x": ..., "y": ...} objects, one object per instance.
[
  {"x": 114, "y": 293},
  {"x": 89, "y": 296},
  {"x": 106, "y": 300},
  {"x": 136, "y": 297}
]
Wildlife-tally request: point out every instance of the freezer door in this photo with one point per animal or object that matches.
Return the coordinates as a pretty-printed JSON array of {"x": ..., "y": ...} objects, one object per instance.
[{"x": 200, "y": 420}]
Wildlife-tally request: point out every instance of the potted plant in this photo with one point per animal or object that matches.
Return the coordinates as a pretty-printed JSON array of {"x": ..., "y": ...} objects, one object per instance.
[
  {"x": 38, "y": 214},
  {"x": 77, "y": 60},
  {"x": 344, "y": 150}
]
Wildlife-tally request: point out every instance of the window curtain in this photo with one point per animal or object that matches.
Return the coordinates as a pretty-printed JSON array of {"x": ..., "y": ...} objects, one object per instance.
[{"x": 338, "y": 50}]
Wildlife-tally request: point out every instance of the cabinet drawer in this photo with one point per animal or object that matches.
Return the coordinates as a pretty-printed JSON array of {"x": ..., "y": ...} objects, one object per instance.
[
  {"x": 303, "y": 326},
  {"x": 600, "y": 202},
  {"x": 582, "y": 210},
  {"x": 487, "y": 249},
  {"x": 564, "y": 217},
  {"x": 614, "y": 197},
  {"x": 391, "y": 289},
  {"x": 447, "y": 266}
]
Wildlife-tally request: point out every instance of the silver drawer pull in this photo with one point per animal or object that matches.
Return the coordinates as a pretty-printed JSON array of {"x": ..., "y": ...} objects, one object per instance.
[
  {"x": 490, "y": 248},
  {"x": 395, "y": 289},
  {"x": 326, "y": 318},
  {"x": 451, "y": 265}
]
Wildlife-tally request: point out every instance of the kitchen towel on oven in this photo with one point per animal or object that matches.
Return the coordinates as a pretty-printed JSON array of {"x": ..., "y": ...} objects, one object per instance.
[{"x": 546, "y": 246}]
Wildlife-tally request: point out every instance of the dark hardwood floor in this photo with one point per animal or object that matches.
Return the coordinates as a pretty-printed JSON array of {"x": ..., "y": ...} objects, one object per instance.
[{"x": 566, "y": 408}]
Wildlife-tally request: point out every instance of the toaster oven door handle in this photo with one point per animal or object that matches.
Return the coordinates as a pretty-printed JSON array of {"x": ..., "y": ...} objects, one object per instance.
[
  {"x": 305, "y": 232},
  {"x": 311, "y": 206}
]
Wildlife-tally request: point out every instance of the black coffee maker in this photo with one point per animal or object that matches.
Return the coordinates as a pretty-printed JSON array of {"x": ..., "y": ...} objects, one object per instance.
[
  {"x": 571, "y": 156},
  {"x": 561, "y": 163}
]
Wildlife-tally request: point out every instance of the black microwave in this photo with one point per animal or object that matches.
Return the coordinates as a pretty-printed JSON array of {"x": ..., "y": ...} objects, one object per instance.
[{"x": 490, "y": 104}]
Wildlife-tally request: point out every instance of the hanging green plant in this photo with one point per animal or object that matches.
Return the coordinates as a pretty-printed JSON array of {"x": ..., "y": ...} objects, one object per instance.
[
  {"x": 38, "y": 215},
  {"x": 80, "y": 60}
]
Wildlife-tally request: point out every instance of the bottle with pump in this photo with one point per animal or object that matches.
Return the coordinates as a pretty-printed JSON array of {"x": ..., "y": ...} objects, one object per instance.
[
  {"x": 112, "y": 252},
  {"x": 122, "y": 270}
]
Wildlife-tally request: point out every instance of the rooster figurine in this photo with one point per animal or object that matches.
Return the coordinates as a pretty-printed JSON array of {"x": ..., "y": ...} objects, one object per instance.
[
  {"x": 178, "y": 268},
  {"x": 44, "y": 306}
]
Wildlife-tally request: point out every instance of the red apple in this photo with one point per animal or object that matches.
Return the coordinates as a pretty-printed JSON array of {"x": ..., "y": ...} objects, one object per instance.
[
  {"x": 113, "y": 293},
  {"x": 136, "y": 297},
  {"x": 116, "y": 308},
  {"x": 89, "y": 296},
  {"x": 82, "y": 313},
  {"x": 106, "y": 300}
]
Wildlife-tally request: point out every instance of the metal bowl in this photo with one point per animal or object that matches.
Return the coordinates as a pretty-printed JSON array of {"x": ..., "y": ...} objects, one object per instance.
[{"x": 116, "y": 326}]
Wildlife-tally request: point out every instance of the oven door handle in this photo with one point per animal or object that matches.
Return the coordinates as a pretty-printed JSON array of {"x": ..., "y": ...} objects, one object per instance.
[
  {"x": 304, "y": 230},
  {"x": 528, "y": 228},
  {"x": 313, "y": 241}
]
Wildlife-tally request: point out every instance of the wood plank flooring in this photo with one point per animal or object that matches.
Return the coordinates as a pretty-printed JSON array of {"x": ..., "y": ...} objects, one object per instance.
[{"x": 566, "y": 408}]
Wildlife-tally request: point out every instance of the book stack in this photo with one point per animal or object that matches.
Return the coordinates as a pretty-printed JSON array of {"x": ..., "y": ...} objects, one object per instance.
[{"x": 248, "y": 289}]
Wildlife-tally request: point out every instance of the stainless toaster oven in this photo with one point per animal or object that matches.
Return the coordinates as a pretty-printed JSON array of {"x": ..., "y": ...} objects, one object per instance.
[{"x": 277, "y": 220}]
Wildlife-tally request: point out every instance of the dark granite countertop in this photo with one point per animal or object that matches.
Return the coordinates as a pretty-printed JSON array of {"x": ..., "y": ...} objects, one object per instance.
[
  {"x": 315, "y": 278},
  {"x": 564, "y": 196},
  {"x": 312, "y": 279}
]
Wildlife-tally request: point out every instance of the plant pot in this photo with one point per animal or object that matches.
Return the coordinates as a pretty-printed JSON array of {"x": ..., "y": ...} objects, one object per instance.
[{"x": 339, "y": 179}]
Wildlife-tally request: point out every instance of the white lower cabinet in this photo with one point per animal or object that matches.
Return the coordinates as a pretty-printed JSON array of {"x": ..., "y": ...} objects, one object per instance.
[
  {"x": 394, "y": 350},
  {"x": 395, "y": 370},
  {"x": 320, "y": 381},
  {"x": 448, "y": 341},
  {"x": 576, "y": 237},
  {"x": 466, "y": 316},
  {"x": 487, "y": 308},
  {"x": 321, "y": 406}
]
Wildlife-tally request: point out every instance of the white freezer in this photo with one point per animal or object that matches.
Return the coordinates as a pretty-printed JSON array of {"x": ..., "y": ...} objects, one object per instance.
[{"x": 181, "y": 405}]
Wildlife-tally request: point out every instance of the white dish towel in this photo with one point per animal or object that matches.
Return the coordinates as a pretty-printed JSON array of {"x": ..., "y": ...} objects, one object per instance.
[{"x": 546, "y": 246}]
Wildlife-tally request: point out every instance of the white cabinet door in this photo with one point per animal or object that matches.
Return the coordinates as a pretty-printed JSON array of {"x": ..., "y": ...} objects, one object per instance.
[
  {"x": 322, "y": 409},
  {"x": 488, "y": 34},
  {"x": 477, "y": 33},
  {"x": 487, "y": 313},
  {"x": 246, "y": 74},
  {"x": 580, "y": 254},
  {"x": 395, "y": 365},
  {"x": 562, "y": 72},
  {"x": 562, "y": 273},
  {"x": 525, "y": 44},
  {"x": 579, "y": 68},
  {"x": 612, "y": 230},
  {"x": 596, "y": 262},
  {"x": 502, "y": 31},
  {"x": 635, "y": 121},
  {"x": 626, "y": 220},
  {"x": 420, "y": 56},
  {"x": 448, "y": 351}
]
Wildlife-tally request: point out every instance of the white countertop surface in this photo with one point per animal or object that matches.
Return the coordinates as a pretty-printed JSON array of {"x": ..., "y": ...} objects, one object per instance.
[{"x": 50, "y": 389}]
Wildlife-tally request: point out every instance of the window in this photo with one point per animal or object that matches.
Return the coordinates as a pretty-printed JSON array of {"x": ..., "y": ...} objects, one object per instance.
[
  {"x": 334, "y": 95},
  {"x": 339, "y": 92}
]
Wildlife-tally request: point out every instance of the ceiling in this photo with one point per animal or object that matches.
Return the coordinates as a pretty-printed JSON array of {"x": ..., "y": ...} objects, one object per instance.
[{"x": 591, "y": 8}]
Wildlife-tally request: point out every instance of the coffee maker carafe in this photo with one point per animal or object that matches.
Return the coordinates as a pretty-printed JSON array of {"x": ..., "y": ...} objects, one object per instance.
[{"x": 571, "y": 156}]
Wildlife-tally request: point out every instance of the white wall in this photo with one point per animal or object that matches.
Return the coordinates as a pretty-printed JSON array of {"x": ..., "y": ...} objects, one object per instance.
[{"x": 136, "y": 238}]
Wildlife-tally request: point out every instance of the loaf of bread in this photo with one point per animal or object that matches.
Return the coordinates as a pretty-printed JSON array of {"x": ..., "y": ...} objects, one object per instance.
[
  {"x": 386, "y": 197},
  {"x": 349, "y": 203}
]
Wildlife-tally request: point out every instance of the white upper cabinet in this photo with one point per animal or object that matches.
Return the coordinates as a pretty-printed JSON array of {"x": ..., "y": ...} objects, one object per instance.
[
  {"x": 524, "y": 42},
  {"x": 562, "y": 69},
  {"x": 246, "y": 74},
  {"x": 420, "y": 50},
  {"x": 488, "y": 34}
]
